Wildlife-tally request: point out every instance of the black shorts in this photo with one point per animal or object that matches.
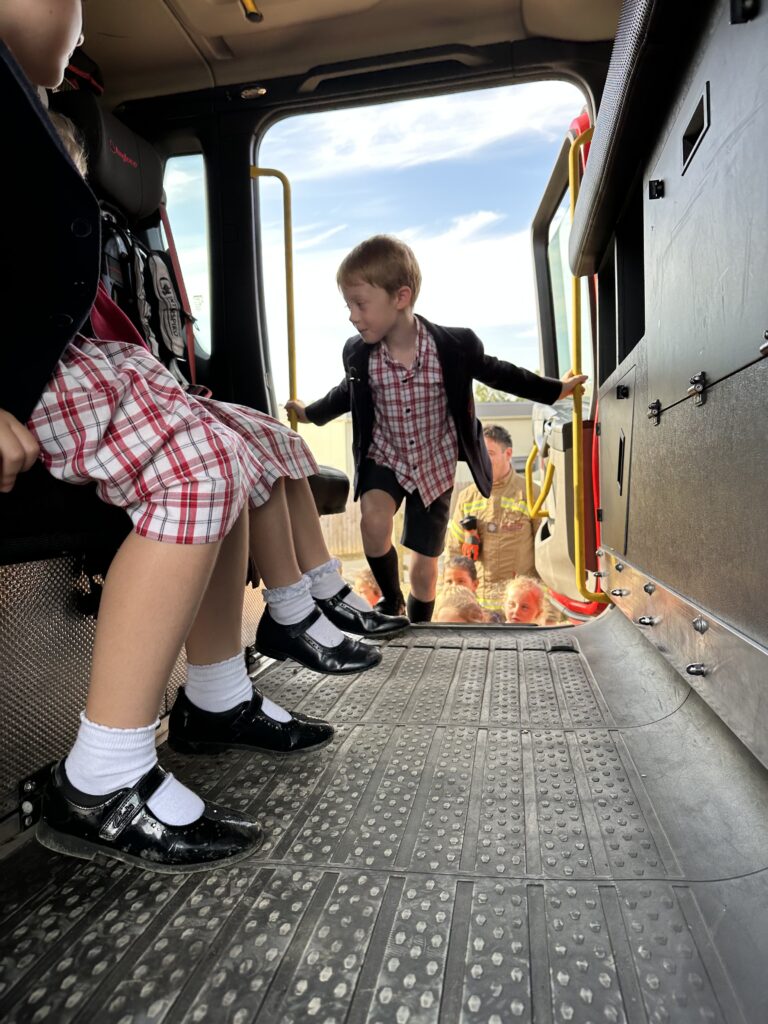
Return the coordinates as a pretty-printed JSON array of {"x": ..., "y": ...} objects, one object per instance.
[{"x": 424, "y": 528}]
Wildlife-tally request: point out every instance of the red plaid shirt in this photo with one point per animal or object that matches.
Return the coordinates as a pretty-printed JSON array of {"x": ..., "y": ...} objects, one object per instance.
[{"x": 413, "y": 433}]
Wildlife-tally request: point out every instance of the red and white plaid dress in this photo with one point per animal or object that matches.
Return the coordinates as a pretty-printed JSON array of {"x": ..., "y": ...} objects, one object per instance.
[
  {"x": 413, "y": 432},
  {"x": 182, "y": 467}
]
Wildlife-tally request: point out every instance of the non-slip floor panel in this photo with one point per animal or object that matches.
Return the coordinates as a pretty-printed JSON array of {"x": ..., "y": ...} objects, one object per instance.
[{"x": 480, "y": 843}]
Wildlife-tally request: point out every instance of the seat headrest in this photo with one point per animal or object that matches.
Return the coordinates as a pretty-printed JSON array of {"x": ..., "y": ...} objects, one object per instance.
[{"x": 122, "y": 167}]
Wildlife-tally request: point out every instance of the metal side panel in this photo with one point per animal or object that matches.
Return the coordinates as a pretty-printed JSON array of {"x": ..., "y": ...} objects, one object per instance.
[
  {"x": 46, "y": 641},
  {"x": 510, "y": 825}
]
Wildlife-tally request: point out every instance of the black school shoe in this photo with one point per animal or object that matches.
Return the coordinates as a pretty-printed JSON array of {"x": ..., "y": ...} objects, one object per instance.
[
  {"x": 371, "y": 622},
  {"x": 281, "y": 642},
  {"x": 122, "y": 827},
  {"x": 396, "y": 607},
  {"x": 244, "y": 727}
]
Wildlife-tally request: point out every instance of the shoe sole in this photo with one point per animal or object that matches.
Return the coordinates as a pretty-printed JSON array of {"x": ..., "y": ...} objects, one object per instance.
[
  {"x": 279, "y": 656},
  {"x": 60, "y": 842},
  {"x": 204, "y": 747}
]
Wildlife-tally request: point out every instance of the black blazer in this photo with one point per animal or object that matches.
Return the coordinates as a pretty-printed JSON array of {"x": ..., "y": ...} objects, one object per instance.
[
  {"x": 51, "y": 245},
  {"x": 463, "y": 360}
]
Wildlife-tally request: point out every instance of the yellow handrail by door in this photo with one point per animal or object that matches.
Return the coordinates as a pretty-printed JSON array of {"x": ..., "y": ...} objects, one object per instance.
[
  {"x": 535, "y": 511},
  {"x": 268, "y": 172},
  {"x": 578, "y": 439}
]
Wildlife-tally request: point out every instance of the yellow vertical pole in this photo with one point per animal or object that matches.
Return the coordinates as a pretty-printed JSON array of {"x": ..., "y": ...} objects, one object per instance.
[{"x": 268, "y": 172}]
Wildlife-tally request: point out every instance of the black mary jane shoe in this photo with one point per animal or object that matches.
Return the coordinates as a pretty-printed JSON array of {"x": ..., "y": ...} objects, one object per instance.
[
  {"x": 121, "y": 826},
  {"x": 368, "y": 622},
  {"x": 281, "y": 642},
  {"x": 396, "y": 607},
  {"x": 245, "y": 727}
]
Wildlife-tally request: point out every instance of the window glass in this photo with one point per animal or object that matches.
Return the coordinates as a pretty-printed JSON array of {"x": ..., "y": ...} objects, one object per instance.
[
  {"x": 562, "y": 296},
  {"x": 187, "y": 205}
]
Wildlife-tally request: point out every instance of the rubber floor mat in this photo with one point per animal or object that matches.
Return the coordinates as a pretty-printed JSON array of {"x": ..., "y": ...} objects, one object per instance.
[{"x": 510, "y": 825}]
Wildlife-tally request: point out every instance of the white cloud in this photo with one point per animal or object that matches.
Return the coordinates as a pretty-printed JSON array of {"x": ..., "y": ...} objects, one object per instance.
[
  {"x": 469, "y": 280},
  {"x": 412, "y": 132},
  {"x": 309, "y": 243}
]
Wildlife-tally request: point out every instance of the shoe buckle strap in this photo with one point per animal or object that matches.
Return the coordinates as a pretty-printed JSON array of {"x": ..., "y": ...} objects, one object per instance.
[{"x": 132, "y": 803}]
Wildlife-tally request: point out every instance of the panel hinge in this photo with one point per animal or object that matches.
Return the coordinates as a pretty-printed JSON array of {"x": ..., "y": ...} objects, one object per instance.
[
  {"x": 599, "y": 514},
  {"x": 598, "y": 429},
  {"x": 698, "y": 383}
]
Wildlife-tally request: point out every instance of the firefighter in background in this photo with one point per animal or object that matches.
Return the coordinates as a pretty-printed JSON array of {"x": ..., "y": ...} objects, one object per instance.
[{"x": 496, "y": 532}]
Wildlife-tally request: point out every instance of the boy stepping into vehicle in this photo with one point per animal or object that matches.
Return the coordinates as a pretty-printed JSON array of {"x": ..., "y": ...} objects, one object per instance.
[{"x": 408, "y": 384}]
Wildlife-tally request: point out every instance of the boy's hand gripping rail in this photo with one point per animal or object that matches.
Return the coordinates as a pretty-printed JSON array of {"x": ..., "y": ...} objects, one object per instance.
[
  {"x": 578, "y": 440},
  {"x": 268, "y": 172},
  {"x": 535, "y": 511}
]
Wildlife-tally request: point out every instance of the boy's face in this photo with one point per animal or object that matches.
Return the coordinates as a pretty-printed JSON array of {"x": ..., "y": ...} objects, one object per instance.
[
  {"x": 42, "y": 35},
  {"x": 373, "y": 312},
  {"x": 460, "y": 578}
]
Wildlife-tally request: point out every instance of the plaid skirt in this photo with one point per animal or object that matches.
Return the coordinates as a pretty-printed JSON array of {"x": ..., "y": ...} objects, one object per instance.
[{"x": 182, "y": 467}]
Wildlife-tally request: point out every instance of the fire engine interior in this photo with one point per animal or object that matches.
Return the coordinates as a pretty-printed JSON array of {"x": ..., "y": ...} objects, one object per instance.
[{"x": 512, "y": 823}]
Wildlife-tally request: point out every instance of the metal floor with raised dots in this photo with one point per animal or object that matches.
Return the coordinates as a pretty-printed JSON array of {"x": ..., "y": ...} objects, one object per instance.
[{"x": 510, "y": 825}]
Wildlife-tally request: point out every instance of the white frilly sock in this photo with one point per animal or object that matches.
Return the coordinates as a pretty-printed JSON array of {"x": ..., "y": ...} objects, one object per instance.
[
  {"x": 224, "y": 685},
  {"x": 103, "y": 760},
  {"x": 289, "y": 605},
  {"x": 326, "y": 581}
]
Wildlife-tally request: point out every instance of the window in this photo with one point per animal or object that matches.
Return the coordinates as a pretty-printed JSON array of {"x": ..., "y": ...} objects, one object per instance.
[
  {"x": 562, "y": 297},
  {"x": 458, "y": 178},
  {"x": 187, "y": 206}
]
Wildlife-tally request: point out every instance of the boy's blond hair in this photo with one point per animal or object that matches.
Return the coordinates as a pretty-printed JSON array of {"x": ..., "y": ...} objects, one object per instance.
[
  {"x": 382, "y": 262},
  {"x": 463, "y": 600}
]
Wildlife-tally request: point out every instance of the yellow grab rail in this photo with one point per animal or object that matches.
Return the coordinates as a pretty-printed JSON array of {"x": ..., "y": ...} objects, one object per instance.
[
  {"x": 535, "y": 511},
  {"x": 268, "y": 172},
  {"x": 578, "y": 439}
]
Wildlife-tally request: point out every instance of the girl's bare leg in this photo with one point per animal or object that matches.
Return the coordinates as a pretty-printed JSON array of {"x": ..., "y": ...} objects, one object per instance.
[
  {"x": 271, "y": 540},
  {"x": 216, "y": 635},
  {"x": 308, "y": 541},
  {"x": 150, "y": 599}
]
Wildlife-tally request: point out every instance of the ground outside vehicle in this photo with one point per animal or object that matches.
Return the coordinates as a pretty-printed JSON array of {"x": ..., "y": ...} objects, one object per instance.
[{"x": 514, "y": 824}]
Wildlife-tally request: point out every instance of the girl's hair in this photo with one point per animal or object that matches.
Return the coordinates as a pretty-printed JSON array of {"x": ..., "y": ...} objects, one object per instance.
[
  {"x": 70, "y": 138},
  {"x": 383, "y": 262},
  {"x": 530, "y": 585},
  {"x": 463, "y": 600}
]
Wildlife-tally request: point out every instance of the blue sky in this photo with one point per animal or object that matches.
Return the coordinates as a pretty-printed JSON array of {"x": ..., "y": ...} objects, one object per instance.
[{"x": 458, "y": 177}]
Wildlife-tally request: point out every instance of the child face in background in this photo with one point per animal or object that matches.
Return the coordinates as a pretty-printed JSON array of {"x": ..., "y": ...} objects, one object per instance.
[
  {"x": 373, "y": 312},
  {"x": 522, "y": 606},
  {"x": 42, "y": 34},
  {"x": 460, "y": 578}
]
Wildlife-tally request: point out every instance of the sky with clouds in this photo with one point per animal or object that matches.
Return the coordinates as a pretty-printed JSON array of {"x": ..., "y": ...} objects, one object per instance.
[{"x": 458, "y": 177}]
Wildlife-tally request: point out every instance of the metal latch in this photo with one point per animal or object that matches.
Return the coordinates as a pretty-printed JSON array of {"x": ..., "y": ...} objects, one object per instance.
[
  {"x": 654, "y": 411},
  {"x": 698, "y": 382}
]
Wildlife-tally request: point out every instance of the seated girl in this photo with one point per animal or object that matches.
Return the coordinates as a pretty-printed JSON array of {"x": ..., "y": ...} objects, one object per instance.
[{"x": 200, "y": 482}]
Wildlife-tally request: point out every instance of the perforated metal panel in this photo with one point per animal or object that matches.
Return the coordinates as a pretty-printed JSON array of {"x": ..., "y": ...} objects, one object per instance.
[{"x": 45, "y": 652}]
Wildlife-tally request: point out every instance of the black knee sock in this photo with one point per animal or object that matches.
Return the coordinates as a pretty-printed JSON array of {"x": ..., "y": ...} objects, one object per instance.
[
  {"x": 386, "y": 570},
  {"x": 420, "y": 611}
]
